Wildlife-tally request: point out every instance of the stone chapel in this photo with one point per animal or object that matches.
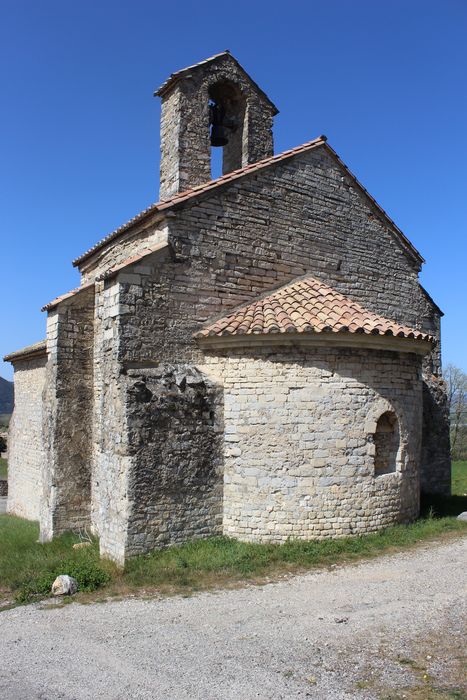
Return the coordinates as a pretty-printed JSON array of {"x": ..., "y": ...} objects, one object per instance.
[{"x": 252, "y": 356}]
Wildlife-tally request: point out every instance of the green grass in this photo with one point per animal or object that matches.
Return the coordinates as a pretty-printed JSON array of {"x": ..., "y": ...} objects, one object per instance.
[
  {"x": 3, "y": 468},
  {"x": 459, "y": 478},
  {"x": 5, "y": 419},
  {"x": 27, "y": 568}
]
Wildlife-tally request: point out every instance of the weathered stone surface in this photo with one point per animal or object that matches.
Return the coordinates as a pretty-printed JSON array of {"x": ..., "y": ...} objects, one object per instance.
[
  {"x": 64, "y": 585},
  {"x": 462, "y": 516},
  {"x": 175, "y": 435}
]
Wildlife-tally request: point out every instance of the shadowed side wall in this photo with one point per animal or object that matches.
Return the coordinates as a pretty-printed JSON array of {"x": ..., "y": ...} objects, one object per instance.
[
  {"x": 174, "y": 416},
  {"x": 26, "y": 454},
  {"x": 436, "y": 456},
  {"x": 68, "y": 420}
]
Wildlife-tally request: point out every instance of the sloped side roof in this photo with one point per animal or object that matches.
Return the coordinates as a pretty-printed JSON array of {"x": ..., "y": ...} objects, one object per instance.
[
  {"x": 55, "y": 302},
  {"x": 305, "y": 306},
  {"x": 197, "y": 191},
  {"x": 28, "y": 352},
  {"x": 207, "y": 187}
]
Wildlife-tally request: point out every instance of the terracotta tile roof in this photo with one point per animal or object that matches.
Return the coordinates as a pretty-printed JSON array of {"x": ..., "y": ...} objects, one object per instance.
[
  {"x": 235, "y": 175},
  {"x": 174, "y": 77},
  {"x": 29, "y": 351},
  {"x": 305, "y": 306},
  {"x": 55, "y": 302}
]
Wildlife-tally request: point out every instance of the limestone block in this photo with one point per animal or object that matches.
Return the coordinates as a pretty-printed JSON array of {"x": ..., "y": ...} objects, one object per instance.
[{"x": 64, "y": 585}]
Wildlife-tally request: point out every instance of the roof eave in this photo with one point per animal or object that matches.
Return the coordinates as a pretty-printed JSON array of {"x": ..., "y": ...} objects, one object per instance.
[
  {"x": 68, "y": 295},
  {"x": 312, "y": 339},
  {"x": 28, "y": 353}
]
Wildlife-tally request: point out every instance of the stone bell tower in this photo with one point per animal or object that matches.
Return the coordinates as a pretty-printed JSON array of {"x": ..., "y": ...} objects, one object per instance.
[{"x": 214, "y": 103}]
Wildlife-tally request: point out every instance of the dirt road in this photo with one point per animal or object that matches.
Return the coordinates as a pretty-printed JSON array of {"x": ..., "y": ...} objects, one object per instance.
[{"x": 391, "y": 628}]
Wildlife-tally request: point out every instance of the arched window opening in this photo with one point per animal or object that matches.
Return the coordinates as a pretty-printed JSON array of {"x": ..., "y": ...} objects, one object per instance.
[
  {"x": 386, "y": 440},
  {"x": 226, "y": 122}
]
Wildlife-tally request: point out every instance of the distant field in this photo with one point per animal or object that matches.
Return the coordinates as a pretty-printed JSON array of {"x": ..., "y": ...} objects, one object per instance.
[
  {"x": 3, "y": 468},
  {"x": 5, "y": 419},
  {"x": 459, "y": 478}
]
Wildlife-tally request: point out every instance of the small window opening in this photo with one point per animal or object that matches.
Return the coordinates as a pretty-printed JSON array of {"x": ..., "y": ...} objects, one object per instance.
[{"x": 386, "y": 440}]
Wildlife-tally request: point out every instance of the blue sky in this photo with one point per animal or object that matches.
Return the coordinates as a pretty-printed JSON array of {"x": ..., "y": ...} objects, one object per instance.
[{"x": 385, "y": 80}]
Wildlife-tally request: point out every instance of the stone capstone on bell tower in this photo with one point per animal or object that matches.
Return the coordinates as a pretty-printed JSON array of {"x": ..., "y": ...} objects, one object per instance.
[{"x": 190, "y": 98}]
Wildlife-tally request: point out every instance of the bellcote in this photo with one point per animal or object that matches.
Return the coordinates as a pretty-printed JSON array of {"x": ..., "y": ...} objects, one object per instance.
[{"x": 214, "y": 103}]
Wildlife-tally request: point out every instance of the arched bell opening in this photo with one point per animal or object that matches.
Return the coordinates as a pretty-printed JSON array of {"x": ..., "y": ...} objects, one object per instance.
[{"x": 226, "y": 123}]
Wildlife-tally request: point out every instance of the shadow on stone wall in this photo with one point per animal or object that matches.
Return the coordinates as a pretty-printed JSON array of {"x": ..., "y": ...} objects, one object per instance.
[{"x": 175, "y": 424}]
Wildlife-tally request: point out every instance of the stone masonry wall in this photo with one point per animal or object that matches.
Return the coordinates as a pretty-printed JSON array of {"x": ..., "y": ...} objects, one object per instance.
[
  {"x": 157, "y": 431},
  {"x": 303, "y": 216},
  {"x": 176, "y": 437},
  {"x": 141, "y": 239},
  {"x": 66, "y": 497},
  {"x": 26, "y": 455},
  {"x": 300, "y": 217},
  {"x": 263, "y": 231},
  {"x": 111, "y": 463},
  {"x": 299, "y": 445}
]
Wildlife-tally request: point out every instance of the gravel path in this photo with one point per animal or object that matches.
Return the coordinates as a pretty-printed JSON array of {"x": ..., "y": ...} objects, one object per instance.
[{"x": 351, "y": 632}]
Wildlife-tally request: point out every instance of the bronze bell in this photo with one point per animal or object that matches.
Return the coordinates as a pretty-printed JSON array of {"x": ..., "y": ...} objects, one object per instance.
[
  {"x": 219, "y": 135},
  {"x": 219, "y": 132}
]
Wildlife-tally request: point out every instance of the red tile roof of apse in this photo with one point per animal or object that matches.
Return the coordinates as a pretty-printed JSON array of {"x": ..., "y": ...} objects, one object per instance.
[
  {"x": 182, "y": 197},
  {"x": 304, "y": 306}
]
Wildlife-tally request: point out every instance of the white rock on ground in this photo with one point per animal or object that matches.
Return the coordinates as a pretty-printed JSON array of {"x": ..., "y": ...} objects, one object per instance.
[{"x": 64, "y": 585}]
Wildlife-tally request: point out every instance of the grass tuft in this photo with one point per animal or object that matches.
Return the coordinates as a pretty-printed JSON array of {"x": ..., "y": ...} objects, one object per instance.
[{"x": 28, "y": 568}]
